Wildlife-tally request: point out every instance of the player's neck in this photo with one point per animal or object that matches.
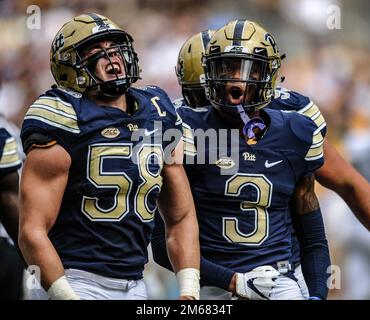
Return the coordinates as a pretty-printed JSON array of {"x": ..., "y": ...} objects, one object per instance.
[
  {"x": 115, "y": 102},
  {"x": 235, "y": 121}
]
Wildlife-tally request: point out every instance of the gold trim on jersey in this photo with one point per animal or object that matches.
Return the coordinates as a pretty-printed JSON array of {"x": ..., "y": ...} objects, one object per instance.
[
  {"x": 312, "y": 111},
  {"x": 55, "y": 112},
  {"x": 56, "y": 103},
  {"x": 316, "y": 150},
  {"x": 317, "y": 139},
  {"x": 318, "y": 118},
  {"x": 47, "y": 145},
  {"x": 178, "y": 119},
  {"x": 188, "y": 138},
  {"x": 10, "y": 156}
]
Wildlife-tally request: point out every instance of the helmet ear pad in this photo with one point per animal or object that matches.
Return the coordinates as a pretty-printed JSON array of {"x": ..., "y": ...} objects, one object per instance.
[{"x": 66, "y": 73}]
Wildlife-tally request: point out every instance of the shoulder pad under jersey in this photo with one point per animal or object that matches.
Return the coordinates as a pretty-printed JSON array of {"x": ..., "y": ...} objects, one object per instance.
[{"x": 288, "y": 100}]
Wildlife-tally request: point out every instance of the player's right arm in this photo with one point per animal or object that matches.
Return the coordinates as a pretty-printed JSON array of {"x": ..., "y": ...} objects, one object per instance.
[
  {"x": 350, "y": 185},
  {"x": 43, "y": 182}
]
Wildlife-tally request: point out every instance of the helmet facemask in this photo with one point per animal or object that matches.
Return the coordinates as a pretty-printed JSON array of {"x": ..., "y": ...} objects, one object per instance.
[
  {"x": 233, "y": 80},
  {"x": 194, "y": 95},
  {"x": 125, "y": 73}
]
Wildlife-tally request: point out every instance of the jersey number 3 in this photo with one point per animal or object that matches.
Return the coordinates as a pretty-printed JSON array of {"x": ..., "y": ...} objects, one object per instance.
[{"x": 230, "y": 225}]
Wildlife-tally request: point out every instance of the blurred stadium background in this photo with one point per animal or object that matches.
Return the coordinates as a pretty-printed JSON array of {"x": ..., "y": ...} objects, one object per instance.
[{"x": 329, "y": 65}]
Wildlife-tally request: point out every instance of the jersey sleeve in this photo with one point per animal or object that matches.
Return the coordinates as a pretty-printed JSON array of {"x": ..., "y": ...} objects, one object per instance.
[
  {"x": 178, "y": 103},
  {"x": 288, "y": 100},
  {"x": 188, "y": 134},
  {"x": 54, "y": 116},
  {"x": 10, "y": 159},
  {"x": 313, "y": 112},
  {"x": 309, "y": 143}
]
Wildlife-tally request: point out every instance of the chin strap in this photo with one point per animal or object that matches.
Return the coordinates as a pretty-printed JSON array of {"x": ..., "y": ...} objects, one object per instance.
[
  {"x": 113, "y": 89},
  {"x": 250, "y": 124}
]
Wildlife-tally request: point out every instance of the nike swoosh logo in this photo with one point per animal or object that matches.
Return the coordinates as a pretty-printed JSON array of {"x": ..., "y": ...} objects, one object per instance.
[
  {"x": 258, "y": 50},
  {"x": 269, "y": 165},
  {"x": 148, "y": 133}
]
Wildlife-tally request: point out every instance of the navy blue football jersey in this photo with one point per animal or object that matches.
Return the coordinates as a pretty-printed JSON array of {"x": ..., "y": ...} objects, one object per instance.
[
  {"x": 9, "y": 157},
  {"x": 106, "y": 215},
  {"x": 178, "y": 103},
  {"x": 242, "y": 198}
]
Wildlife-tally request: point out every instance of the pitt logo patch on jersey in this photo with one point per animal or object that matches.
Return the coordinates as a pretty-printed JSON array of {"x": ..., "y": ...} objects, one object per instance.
[
  {"x": 132, "y": 126},
  {"x": 249, "y": 156},
  {"x": 225, "y": 163},
  {"x": 110, "y": 133}
]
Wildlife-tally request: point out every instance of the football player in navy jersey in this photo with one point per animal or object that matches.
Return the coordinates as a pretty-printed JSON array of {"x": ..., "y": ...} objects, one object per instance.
[
  {"x": 10, "y": 162},
  {"x": 190, "y": 74},
  {"x": 242, "y": 199},
  {"x": 11, "y": 267},
  {"x": 91, "y": 183}
]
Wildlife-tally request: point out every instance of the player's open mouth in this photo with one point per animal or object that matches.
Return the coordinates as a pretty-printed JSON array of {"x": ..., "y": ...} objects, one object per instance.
[
  {"x": 113, "y": 69},
  {"x": 236, "y": 95},
  {"x": 236, "y": 92}
]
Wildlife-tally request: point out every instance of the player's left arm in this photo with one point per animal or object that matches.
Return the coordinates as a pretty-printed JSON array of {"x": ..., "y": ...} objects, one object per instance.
[
  {"x": 9, "y": 205},
  {"x": 310, "y": 230},
  {"x": 350, "y": 185},
  {"x": 182, "y": 233}
]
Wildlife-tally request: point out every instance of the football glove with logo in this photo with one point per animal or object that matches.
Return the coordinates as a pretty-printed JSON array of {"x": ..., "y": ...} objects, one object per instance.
[{"x": 256, "y": 284}]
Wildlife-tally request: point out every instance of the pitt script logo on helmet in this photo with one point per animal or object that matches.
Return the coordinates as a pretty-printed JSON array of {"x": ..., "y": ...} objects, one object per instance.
[
  {"x": 72, "y": 71},
  {"x": 189, "y": 69},
  {"x": 241, "y": 66}
]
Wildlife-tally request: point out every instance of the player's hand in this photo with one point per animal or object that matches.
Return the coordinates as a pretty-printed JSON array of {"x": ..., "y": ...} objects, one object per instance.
[{"x": 256, "y": 284}]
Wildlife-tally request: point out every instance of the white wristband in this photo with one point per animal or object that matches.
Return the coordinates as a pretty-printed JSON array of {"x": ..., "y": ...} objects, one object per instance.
[
  {"x": 61, "y": 290},
  {"x": 188, "y": 281}
]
